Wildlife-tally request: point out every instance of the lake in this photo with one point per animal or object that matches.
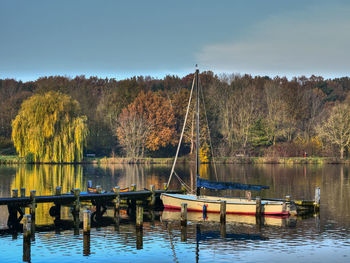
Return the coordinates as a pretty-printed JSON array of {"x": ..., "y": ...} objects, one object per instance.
[{"x": 315, "y": 238}]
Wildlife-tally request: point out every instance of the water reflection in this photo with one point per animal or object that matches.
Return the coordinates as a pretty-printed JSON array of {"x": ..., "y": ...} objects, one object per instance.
[{"x": 327, "y": 232}]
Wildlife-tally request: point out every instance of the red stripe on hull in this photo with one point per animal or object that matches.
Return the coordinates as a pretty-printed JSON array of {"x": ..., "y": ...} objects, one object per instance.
[{"x": 171, "y": 207}]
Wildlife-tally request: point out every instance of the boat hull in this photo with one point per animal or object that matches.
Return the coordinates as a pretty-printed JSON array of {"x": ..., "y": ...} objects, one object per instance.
[{"x": 233, "y": 205}]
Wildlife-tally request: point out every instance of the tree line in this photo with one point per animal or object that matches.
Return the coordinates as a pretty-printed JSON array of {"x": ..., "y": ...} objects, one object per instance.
[{"x": 143, "y": 116}]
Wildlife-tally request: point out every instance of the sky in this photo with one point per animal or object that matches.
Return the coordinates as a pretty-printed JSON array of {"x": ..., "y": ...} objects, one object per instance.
[{"x": 120, "y": 39}]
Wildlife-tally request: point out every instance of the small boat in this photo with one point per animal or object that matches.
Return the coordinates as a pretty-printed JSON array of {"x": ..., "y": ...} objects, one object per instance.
[{"x": 211, "y": 204}]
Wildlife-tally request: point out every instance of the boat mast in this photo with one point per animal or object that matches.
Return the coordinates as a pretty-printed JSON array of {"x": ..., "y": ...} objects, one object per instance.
[{"x": 197, "y": 159}]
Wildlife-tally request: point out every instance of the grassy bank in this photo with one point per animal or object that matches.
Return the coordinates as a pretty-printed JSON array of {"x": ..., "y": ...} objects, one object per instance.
[{"x": 13, "y": 159}]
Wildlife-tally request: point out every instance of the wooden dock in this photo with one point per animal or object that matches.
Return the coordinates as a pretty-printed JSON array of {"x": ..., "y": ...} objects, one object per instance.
[
  {"x": 101, "y": 200},
  {"x": 134, "y": 200}
]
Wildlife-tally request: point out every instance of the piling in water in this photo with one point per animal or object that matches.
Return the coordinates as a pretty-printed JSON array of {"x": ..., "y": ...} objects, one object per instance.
[
  {"x": 32, "y": 207},
  {"x": 317, "y": 200},
  {"x": 153, "y": 196},
  {"x": 183, "y": 214},
  {"x": 76, "y": 208},
  {"x": 87, "y": 222},
  {"x": 258, "y": 210},
  {"x": 27, "y": 226},
  {"x": 139, "y": 216},
  {"x": 223, "y": 212},
  {"x": 86, "y": 244}
]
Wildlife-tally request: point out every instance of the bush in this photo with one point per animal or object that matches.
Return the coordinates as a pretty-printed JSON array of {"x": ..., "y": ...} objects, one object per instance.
[{"x": 30, "y": 158}]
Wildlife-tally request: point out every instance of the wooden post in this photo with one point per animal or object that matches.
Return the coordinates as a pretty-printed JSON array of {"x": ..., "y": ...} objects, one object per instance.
[
  {"x": 76, "y": 209},
  {"x": 58, "y": 190},
  {"x": 23, "y": 194},
  {"x": 27, "y": 226},
  {"x": 153, "y": 196},
  {"x": 258, "y": 211},
  {"x": 133, "y": 187},
  {"x": 183, "y": 233},
  {"x": 317, "y": 201},
  {"x": 26, "y": 250},
  {"x": 139, "y": 216},
  {"x": 183, "y": 214},
  {"x": 116, "y": 190},
  {"x": 27, "y": 235},
  {"x": 222, "y": 212},
  {"x": 86, "y": 244},
  {"x": 165, "y": 186},
  {"x": 32, "y": 208},
  {"x": 77, "y": 200},
  {"x": 98, "y": 189},
  {"x": 139, "y": 238},
  {"x": 87, "y": 222},
  {"x": 223, "y": 230},
  {"x": 14, "y": 193}
]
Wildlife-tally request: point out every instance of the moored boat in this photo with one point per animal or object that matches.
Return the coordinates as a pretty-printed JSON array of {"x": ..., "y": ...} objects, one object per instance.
[{"x": 211, "y": 204}]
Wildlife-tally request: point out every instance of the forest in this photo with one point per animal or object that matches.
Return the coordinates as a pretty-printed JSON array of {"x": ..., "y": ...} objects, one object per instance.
[{"x": 143, "y": 116}]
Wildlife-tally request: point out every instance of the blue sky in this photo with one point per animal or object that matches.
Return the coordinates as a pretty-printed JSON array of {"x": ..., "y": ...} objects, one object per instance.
[{"x": 125, "y": 38}]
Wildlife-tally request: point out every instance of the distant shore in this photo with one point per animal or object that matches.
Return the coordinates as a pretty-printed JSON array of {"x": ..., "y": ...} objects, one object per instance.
[{"x": 13, "y": 159}]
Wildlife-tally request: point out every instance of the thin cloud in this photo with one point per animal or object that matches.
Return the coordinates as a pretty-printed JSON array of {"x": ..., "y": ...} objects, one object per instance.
[{"x": 313, "y": 41}]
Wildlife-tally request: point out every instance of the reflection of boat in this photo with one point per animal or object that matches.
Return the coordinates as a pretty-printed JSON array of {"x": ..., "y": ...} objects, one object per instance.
[
  {"x": 212, "y": 204},
  {"x": 174, "y": 215}
]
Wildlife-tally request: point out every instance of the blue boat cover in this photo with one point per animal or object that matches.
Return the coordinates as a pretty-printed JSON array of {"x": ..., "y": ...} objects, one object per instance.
[{"x": 224, "y": 185}]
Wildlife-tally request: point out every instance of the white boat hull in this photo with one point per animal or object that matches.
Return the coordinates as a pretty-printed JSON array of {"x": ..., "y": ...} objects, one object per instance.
[{"x": 233, "y": 205}]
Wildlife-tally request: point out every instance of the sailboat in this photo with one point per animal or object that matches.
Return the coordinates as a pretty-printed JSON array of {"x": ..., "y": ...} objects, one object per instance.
[{"x": 211, "y": 204}]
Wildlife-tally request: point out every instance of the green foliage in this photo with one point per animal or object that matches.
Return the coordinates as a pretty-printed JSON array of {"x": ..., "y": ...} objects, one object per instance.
[
  {"x": 49, "y": 127},
  {"x": 258, "y": 135},
  {"x": 29, "y": 158}
]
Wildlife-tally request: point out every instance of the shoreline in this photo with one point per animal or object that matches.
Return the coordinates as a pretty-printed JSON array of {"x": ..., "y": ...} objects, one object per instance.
[{"x": 13, "y": 159}]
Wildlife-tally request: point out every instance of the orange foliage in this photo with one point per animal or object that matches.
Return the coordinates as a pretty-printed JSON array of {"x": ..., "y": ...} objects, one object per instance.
[{"x": 157, "y": 112}]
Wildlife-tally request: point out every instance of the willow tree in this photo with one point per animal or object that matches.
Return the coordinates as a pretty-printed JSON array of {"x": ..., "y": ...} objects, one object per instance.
[{"x": 49, "y": 128}]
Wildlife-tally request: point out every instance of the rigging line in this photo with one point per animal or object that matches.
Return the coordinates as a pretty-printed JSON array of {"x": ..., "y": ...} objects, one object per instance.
[
  {"x": 182, "y": 133},
  {"x": 211, "y": 145},
  {"x": 182, "y": 182}
]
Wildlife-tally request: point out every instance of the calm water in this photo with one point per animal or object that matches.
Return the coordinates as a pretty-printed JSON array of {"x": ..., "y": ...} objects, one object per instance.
[{"x": 322, "y": 238}]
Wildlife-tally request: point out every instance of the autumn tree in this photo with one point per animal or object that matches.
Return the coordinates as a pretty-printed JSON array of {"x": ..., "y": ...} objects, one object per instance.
[
  {"x": 239, "y": 111},
  {"x": 276, "y": 111},
  {"x": 336, "y": 128},
  {"x": 49, "y": 128},
  {"x": 152, "y": 124}
]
